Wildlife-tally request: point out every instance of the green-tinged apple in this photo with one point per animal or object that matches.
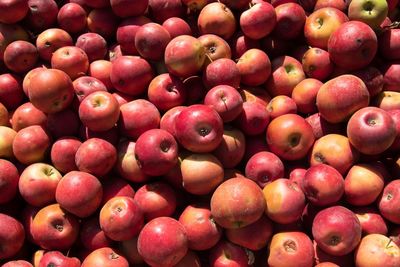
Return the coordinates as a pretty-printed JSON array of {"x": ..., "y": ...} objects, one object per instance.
[{"x": 371, "y": 12}]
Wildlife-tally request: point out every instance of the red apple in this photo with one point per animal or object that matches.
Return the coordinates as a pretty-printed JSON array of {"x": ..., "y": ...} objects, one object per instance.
[
  {"x": 42, "y": 14},
  {"x": 13, "y": 11},
  {"x": 93, "y": 44},
  {"x": 101, "y": 70},
  {"x": 6, "y": 142},
  {"x": 317, "y": 63},
  {"x": 304, "y": 95},
  {"x": 51, "y": 40},
  {"x": 177, "y": 26},
  {"x": 160, "y": 11},
  {"x": 17, "y": 263},
  {"x": 9, "y": 178},
  {"x": 254, "y": 67},
  {"x": 226, "y": 253},
  {"x": 388, "y": 201},
  {"x": 231, "y": 150},
  {"x": 63, "y": 152},
  {"x": 290, "y": 19},
  {"x": 102, "y": 21},
  {"x": 106, "y": 257},
  {"x": 126, "y": 33},
  {"x": 12, "y": 236},
  {"x": 254, "y": 118},
  {"x": 217, "y": 18},
  {"x": 11, "y": 94},
  {"x": 222, "y": 71},
  {"x": 281, "y": 105},
  {"x": 151, "y": 39},
  {"x": 373, "y": 79},
  {"x": 27, "y": 115},
  {"x": 263, "y": 24},
  {"x": 264, "y": 167},
  {"x": 20, "y": 56},
  {"x": 72, "y": 18},
  {"x": 240, "y": 43},
  {"x": 72, "y": 60},
  {"x": 56, "y": 258}
]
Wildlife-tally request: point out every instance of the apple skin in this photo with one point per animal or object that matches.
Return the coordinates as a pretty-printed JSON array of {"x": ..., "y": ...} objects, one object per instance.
[
  {"x": 304, "y": 95},
  {"x": 42, "y": 14},
  {"x": 388, "y": 201},
  {"x": 217, "y": 18},
  {"x": 13, "y": 11},
  {"x": 338, "y": 4},
  {"x": 156, "y": 199},
  {"x": 389, "y": 46},
  {"x": 334, "y": 150},
  {"x": 372, "y": 78},
  {"x": 126, "y": 8},
  {"x": 390, "y": 78},
  {"x": 254, "y": 236},
  {"x": 151, "y": 40},
  {"x": 372, "y": 13},
  {"x": 177, "y": 26},
  {"x": 288, "y": 247},
  {"x": 297, "y": 139},
  {"x": 160, "y": 12},
  {"x": 54, "y": 229},
  {"x": 121, "y": 218},
  {"x": 12, "y": 236},
  {"x": 96, "y": 156},
  {"x": 93, "y": 44},
  {"x": 31, "y": 144},
  {"x": 363, "y": 184},
  {"x": 377, "y": 249},
  {"x": 137, "y": 117},
  {"x": 265, "y": 23},
  {"x": 201, "y": 173},
  {"x": 254, "y": 67},
  {"x": 226, "y": 100},
  {"x": 4, "y": 116},
  {"x": 106, "y": 257},
  {"x": 240, "y": 43},
  {"x": 317, "y": 63},
  {"x": 287, "y": 72},
  {"x": 323, "y": 257},
  {"x": 395, "y": 114},
  {"x": 361, "y": 48},
  {"x": 37, "y": 184},
  {"x": 126, "y": 33},
  {"x": 371, "y": 125},
  {"x": 127, "y": 165},
  {"x": 72, "y": 18},
  {"x": 225, "y": 253},
  {"x": 72, "y": 60},
  {"x": 290, "y": 19},
  {"x": 129, "y": 249},
  {"x": 27, "y": 115},
  {"x": 222, "y": 71},
  {"x": 340, "y": 97},
  {"x": 264, "y": 167},
  {"x": 320, "y": 25},
  {"x": 51, "y": 40},
  {"x": 280, "y": 105},
  {"x": 201, "y": 230},
  {"x": 17, "y": 263},
  {"x": 231, "y": 150},
  {"x": 20, "y": 56},
  {"x": 254, "y": 118},
  {"x": 91, "y": 235},
  {"x": 335, "y": 236},
  {"x": 58, "y": 259},
  {"x": 167, "y": 91},
  {"x": 387, "y": 100},
  {"x": 184, "y": 56},
  {"x": 135, "y": 81},
  {"x": 165, "y": 251},
  {"x": 85, "y": 188},
  {"x": 199, "y": 128},
  {"x": 323, "y": 185},
  {"x": 102, "y": 21},
  {"x": 249, "y": 198},
  {"x": 84, "y": 86},
  {"x": 50, "y": 90},
  {"x": 371, "y": 221},
  {"x": 9, "y": 179},
  {"x": 7, "y": 140},
  {"x": 215, "y": 48},
  {"x": 11, "y": 95}
]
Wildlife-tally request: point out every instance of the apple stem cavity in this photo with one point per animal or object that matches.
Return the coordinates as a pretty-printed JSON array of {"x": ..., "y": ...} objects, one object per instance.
[{"x": 290, "y": 246}]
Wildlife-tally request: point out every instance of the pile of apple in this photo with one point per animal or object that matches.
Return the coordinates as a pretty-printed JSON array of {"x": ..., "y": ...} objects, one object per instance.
[{"x": 199, "y": 133}]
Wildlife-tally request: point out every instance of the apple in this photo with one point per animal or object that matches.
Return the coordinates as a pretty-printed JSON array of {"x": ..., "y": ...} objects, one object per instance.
[
  {"x": 287, "y": 72},
  {"x": 387, "y": 202},
  {"x": 254, "y": 118},
  {"x": 289, "y": 247},
  {"x": 17, "y": 263},
  {"x": 54, "y": 229},
  {"x": 395, "y": 114},
  {"x": 27, "y": 115},
  {"x": 320, "y": 25},
  {"x": 387, "y": 100},
  {"x": 9, "y": 179},
  {"x": 93, "y": 44},
  {"x": 42, "y": 14},
  {"x": 72, "y": 60},
  {"x": 226, "y": 253},
  {"x": 290, "y": 137},
  {"x": 317, "y": 63},
  {"x": 184, "y": 56},
  {"x": 160, "y": 12},
  {"x": 389, "y": 44},
  {"x": 126, "y": 32},
  {"x": 290, "y": 20},
  {"x": 127, "y": 166},
  {"x": 51, "y": 40},
  {"x": 322, "y": 257},
  {"x": 304, "y": 95},
  {"x": 156, "y": 199},
  {"x": 177, "y": 26},
  {"x": 163, "y": 241},
  {"x": 56, "y": 258},
  {"x": 363, "y": 184},
  {"x": 339, "y": 4},
  {"x": 199, "y": 128},
  {"x": 20, "y": 56},
  {"x": 201, "y": 230},
  {"x": 11, "y": 95},
  {"x": 115, "y": 187},
  {"x": 217, "y": 18},
  {"x": 102, "y": 21},
  {"x": 390, "y": 79},
  {"x": 4, "y": 116},
  {"x": 254, "y": 67},
  {"x": 166, "y": 91},
  {"x": 340, "y": 97},
  {"x": 228, "y": 203},
  {"x": 373, "y": 79},
  {"x": 12, "y": 236},
  {"x": 129, "y": 249},
  {"x": 106, "y": 256},
  {"x": 50, "y": 90},
  {"x": 96, "y": 156},
  {"x": 92, "y": 236},
  {"x": 72, "y": 18},
  {"x": 240, "y": 43},
  {"x": 111, "y": 135},
  {"x": 263, "y": 25},
  {"x": 121, "y": 218},
  {"x": 13, "y": 11},
  {"x": 126, "y": 8},
  {"x": 28, "y": 151},
  {"x": 135, "y": 81},
  {"x": 7, "y": 135},
  {"x": 37, "y": 184},
  {"x": 84, "y": 86},
  {"x": 281, "y": 105},
  {"x": 354, "y": 53},
  {"x": 371, "y": 125},
  {"x": 371, "y": 221},
  {"x": 222, "y": 71},
  {"x": 264, "y": 167},
  {"x": 323, "y": 185},
  {"x": 377, "y": 246},
  {"x": 336, "y": 237},
  {"x": 231, "y": 150},
  {"x": 372, "y": 13},
  {"x": 151, "y": 39},
  {"x": 201, "y": 173}
]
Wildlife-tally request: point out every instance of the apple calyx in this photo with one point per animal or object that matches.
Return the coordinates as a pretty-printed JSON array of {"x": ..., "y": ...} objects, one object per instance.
[{"x": 290, "y": 246}]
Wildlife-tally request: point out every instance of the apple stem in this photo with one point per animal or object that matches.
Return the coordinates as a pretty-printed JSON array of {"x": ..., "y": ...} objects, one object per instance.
[
  {"x": 209, "y": 58},
  {"x": 190, "y": 77},
  {"x": 390, "y": 241}
]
